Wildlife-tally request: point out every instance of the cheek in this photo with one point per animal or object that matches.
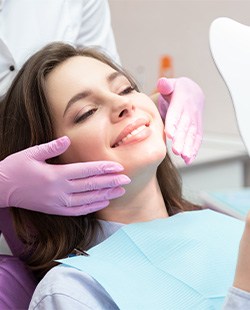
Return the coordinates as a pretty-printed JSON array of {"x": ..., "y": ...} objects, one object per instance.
[
  {"x": 146, "y": 104},
  {"x": 84, "y": 147}
]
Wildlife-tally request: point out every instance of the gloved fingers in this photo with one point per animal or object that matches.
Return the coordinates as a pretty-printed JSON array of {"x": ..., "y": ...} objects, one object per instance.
[
  {"x": 165, "y": 86},
  {"x": 180, "y": 134},
  {"x": 98, "y": 182},
  {"x": 91, "y": 197},
  {"x": 197, "y": 132},
  {"x": 48, "y": 150},
  {"x": 163, "y": 106},
  {"x": 83, "y": 209},
  {"x": 173, "y": 117},
  {"x": 188, "y": 149},
  {"x": 187, "y": 98},
  {"x": 196, "y": 146},
  {"x": 88, "y": 169}
]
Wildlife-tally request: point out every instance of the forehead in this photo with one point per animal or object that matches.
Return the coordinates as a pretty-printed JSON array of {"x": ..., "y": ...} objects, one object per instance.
[
  {"x": 73, "y": 76},
  {"x": 76, "y": 73},
  {"x": 81, "y": 65}
]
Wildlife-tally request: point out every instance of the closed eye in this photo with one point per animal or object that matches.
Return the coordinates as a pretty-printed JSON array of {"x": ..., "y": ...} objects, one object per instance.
[
  {"x": 85, "y": 115},
  {"x": 127, "y": 90}
]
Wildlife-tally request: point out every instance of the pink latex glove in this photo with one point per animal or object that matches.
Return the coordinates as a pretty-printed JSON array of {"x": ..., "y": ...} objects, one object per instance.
[
  {"x": 181, "y": 104},
  {"x": 27, "y": 181}
]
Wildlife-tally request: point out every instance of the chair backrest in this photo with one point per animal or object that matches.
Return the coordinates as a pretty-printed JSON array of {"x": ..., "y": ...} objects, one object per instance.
[
  {"x": 17, "y": 283},
  {"x": 7, "y": 229}
]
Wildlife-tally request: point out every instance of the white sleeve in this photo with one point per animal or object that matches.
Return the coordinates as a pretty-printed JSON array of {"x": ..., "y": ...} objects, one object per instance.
[
  {"x": 68, "y": 288},
  {"x": 60, "y": 301},
  {"x": 237, "y": 299},
  {"x": 95, "y": 27}
]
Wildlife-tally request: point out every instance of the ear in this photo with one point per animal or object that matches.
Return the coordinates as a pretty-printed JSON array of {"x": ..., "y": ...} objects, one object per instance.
[{"x": 230, "y": 48}]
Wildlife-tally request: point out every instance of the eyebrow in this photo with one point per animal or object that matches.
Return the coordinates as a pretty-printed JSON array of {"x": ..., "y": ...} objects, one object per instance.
[{"x": 111, "y": 77}]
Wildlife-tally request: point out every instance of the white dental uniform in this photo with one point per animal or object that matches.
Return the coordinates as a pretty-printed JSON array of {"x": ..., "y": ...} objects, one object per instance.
[
  {"x": 69, "y": 288},
  {"x": 28, "y": 25}
]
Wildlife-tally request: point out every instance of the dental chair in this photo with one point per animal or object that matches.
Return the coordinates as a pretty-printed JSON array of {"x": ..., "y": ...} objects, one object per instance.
[
  {"x": 17, "y": 283},
  {"x": 230, "y": 47}
]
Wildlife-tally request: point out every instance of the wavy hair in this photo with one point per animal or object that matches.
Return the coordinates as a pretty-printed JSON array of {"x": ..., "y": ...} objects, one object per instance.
[{"x": 26, "y": 121}]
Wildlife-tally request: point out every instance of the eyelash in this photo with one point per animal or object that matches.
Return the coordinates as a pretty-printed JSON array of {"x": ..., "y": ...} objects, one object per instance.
[
  {"x": 127, "y": 90},
  {"x": 84, "y": 116}
]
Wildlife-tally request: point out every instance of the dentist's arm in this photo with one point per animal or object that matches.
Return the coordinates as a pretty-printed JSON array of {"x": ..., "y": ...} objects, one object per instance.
[
  {"x": 27, "y": 181},
  {"x": 181, "y": 103}
]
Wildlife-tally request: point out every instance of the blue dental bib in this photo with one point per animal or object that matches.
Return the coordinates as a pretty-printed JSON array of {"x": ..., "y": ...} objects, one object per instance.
[{"x": 186, "y": 261}]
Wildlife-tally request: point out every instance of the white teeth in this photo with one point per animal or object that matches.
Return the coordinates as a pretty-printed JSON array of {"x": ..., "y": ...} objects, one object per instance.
[
  {"x": 132, "y": 133},
  {"x": 136, "y": 131}
]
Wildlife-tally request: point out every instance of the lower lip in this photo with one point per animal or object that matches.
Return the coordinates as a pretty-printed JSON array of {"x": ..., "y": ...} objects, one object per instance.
[{"x": 142, "y": 135}]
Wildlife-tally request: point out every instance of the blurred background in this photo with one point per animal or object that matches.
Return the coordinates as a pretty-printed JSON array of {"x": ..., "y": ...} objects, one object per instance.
[{"x": 151, "y": 34}]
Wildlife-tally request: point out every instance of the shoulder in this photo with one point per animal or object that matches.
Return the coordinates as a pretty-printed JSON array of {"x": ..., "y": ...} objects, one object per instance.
[
  {"x": 237, "y": 299},
  {"x": 64, "y": 288}
]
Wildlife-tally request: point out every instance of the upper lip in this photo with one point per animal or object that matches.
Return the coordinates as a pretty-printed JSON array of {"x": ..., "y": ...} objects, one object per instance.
[{"x": 129, "y": 128}]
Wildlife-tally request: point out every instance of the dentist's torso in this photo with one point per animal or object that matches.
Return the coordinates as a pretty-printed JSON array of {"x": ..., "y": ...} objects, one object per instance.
[{"x": 26, "y": 26}]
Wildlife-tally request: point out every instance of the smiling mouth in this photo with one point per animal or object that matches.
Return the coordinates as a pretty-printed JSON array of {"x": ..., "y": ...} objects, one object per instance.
[{"x": 130, "y": 136}]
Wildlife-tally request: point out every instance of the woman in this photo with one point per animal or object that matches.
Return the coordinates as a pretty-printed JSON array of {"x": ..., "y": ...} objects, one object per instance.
[
  {"x": 82, "y": 23},
  {"x": 82, "y": 94}
]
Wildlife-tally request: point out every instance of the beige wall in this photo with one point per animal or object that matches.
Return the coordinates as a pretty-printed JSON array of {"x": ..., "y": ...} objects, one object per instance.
[{"x": 147, "y": 29}]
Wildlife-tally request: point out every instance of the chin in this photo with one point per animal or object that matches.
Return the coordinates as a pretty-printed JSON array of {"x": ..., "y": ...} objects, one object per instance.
[{"x": 148, "y": 161}]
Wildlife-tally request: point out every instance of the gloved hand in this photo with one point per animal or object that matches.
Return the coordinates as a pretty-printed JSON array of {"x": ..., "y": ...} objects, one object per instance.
[
  {"x": 27, "y": 181},
  {"x": 181, "y": 104}
]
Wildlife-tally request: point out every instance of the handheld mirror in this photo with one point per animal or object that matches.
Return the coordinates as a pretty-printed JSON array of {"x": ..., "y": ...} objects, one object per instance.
[{"x": 230, "y": 48}]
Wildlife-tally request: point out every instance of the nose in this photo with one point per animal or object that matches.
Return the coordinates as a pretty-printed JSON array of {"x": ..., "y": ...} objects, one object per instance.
[{"x": 122, "y": 107}]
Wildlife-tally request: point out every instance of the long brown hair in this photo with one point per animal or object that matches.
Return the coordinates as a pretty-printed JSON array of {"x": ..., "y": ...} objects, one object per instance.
[{"x": 26, "y": 121}]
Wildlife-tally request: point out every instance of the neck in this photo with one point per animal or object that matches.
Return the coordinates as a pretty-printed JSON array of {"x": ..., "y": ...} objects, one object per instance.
[{"x": 142, "y": 202}]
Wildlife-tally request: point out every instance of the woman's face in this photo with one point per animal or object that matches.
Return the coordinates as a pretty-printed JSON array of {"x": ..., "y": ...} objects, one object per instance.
[{"x": 104, "y": 117}]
